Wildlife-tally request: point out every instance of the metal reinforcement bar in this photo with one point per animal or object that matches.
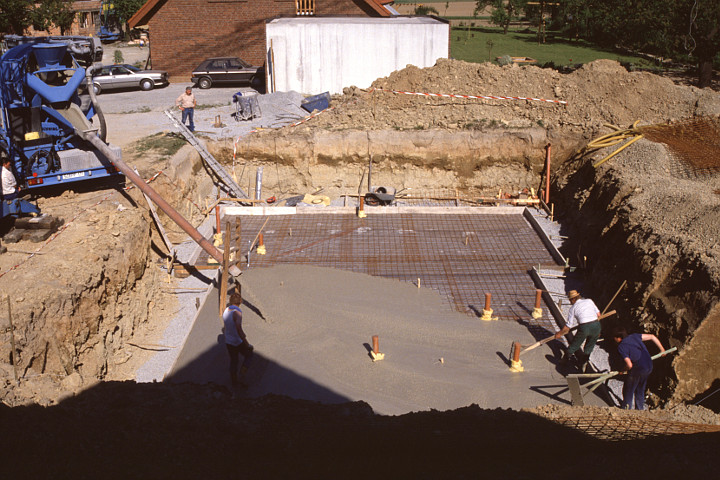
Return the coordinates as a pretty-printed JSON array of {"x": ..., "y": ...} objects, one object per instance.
[
  {"x": 159, "y": 201},
  {"x": 214, "y": 165},
  {"x": 628, "y": 427}
]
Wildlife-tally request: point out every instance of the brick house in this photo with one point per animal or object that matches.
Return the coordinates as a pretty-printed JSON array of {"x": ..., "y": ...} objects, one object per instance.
[
  {"x": 185, "y": 32},
  {"x": 85, "y": 23}
]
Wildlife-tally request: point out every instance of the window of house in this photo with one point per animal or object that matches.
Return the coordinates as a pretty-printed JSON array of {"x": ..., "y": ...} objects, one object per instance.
[
  {"x": 96, "y": 18},
  {"x": 83, "y": 19},
  {"x": 305, "y": 7}
]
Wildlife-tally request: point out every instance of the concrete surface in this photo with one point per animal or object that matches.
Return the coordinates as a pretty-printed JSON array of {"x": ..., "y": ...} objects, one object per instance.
[{"x": 312, "y": 330}]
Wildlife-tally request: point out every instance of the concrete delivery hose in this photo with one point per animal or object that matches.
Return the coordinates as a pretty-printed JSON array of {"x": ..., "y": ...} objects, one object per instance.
[{"x": 159, "y": 201}]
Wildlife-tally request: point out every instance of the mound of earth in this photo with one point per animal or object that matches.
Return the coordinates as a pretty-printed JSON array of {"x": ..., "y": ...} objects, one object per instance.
[
  {"x": 642, "y": 218},
  {"x": 477, "y": 145},
  {"x": 599, "y": 92}
]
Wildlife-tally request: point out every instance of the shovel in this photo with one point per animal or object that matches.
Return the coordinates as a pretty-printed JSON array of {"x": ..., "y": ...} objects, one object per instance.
[{"x": 546, "y": 340}]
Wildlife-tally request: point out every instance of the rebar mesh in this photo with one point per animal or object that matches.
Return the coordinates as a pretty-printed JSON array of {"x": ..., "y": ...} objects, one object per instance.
[
  {"x": 462, "y": 256},
  {"x": 694, "y": 143},
  {"x": 627, "y": 427}
]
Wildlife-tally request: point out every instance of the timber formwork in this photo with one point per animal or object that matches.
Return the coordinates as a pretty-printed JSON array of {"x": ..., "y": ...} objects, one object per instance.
[{"x": 462, "y": 255}]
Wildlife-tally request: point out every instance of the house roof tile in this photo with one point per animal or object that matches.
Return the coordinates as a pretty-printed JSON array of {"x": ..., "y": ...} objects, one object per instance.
[{"x": 142, "y": 16}]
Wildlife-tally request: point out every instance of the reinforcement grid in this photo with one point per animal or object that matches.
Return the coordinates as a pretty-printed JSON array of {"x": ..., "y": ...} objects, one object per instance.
[
  {"x": 462, "y": 256},
  {"x": 629, "y": 428},
  {"x": 694, "y": 143}
]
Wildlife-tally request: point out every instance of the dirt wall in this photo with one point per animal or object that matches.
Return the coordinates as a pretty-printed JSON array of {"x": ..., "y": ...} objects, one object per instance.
[
  {"x": 83, "y": 304},
  {"x": 471, "y": 161},
  {"x": 639, "y": 218}
]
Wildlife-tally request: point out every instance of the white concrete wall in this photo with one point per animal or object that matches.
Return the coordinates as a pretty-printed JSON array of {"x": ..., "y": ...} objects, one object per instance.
[{"x": 315, "y": 55}]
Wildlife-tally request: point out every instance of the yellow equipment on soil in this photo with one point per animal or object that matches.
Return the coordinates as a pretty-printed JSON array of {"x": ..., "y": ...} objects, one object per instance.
[
  {"x": 611, "y": 139},
  {"x": 695, "y": 143}
]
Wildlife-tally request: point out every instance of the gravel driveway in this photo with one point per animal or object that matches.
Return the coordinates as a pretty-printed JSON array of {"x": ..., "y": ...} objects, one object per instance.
[{"x": 134, "y": 114}]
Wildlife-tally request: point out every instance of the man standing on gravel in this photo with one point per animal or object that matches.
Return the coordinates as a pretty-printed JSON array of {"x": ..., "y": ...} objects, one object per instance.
[
  {"x": 236, "y": 340},
  {"x": 187, "y": 103},
  {"x": 585, "y": 314},
  {"x": 639, "y": 365}
]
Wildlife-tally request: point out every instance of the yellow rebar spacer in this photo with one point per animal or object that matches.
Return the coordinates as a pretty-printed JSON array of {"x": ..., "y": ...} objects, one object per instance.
[
  {"x": 487, "y": 315},
  {"x": 516, "y": 366},
  {"x": 537, "y": 313},
  {"x": 218, "y": 239},
  {"x": 261, "y": 250}
]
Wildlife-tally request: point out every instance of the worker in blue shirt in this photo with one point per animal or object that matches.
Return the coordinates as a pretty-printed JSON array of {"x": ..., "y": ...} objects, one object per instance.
[{"x": 638, "y": 364}]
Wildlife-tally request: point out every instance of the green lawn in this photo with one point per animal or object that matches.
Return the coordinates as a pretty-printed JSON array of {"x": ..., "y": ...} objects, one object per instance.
[{"x": 471, "y": 45}]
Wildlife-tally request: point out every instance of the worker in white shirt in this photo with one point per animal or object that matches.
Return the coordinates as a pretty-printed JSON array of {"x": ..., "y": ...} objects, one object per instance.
[
  {"x": 585, "y": 314},
  {"x": 9, "y": 184}
]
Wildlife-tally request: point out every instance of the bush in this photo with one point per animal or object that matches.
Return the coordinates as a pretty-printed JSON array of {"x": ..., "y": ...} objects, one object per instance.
[
  {"x": 118, "y": 57},
  {"x": 505, "y": 60}
]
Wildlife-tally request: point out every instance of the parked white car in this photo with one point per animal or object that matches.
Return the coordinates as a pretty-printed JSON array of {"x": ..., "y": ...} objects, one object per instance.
[{"x": 114, "y": 77}]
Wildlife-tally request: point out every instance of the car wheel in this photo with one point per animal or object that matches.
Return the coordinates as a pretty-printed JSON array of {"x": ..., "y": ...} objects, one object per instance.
[
  {"x": 97, "y": 89},
  {"x": 147, "y": 84},
  {"x": 205, "y": 82}
]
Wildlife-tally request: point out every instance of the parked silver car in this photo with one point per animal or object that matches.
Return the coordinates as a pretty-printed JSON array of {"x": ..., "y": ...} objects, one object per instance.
[{"x": 113, "y": 77}]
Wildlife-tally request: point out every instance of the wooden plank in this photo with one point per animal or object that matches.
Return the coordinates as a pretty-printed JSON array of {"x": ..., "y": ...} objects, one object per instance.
[
  {"x": 226, "y": 262},
  {"x": 161, "y": 229},
  {"x": 182, "y": 266},
  {"x": 576, "y": 396}
]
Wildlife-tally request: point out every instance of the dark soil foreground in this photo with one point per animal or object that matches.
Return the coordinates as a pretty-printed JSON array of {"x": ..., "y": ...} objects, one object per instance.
[{"x": 126, "y": 430}]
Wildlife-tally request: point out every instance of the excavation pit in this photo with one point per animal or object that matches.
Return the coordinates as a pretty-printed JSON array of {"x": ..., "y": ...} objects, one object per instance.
[{"x": 313, "y": 302}]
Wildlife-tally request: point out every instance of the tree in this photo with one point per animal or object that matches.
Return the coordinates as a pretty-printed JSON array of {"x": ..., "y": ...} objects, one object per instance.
[
  {"x": 47, "y": 14},
  {"x": 425, "y": 10},
  {"x": 125, "y": 9},
  {"x": 703, "y": 38},
  {"x": 15, "y": 16},
  {"x": 503, "y": 11}
]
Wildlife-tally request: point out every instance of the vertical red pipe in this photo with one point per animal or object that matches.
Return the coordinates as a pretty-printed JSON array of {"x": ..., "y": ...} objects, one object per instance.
[
  {"x": 376, "y": 344},
  {"x": 261, "y": 240},
  {"x": 516, "y": 352},
  {"x": 362, "y": 203},
  {"x": 538, "y": 298},
  {"x": 547, "y": 175},
  {"x": 487, "y": 301}
]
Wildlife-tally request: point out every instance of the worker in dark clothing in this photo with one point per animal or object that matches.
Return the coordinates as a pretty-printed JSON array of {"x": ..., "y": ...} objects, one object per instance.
[{"x": 638, "y": 363}]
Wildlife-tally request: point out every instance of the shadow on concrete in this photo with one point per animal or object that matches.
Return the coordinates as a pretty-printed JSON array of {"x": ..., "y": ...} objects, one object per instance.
[
  {"x": 559, "y": 390},
  {"x": 264, "y": 376}
]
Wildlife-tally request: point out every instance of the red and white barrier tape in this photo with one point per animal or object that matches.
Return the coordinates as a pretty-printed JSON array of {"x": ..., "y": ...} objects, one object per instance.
[
  {"x": 313, "y": 115},
  {"x": 483, "y": 97}
]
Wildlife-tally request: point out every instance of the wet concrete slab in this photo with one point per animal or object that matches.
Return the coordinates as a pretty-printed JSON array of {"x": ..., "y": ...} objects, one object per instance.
[{"x": 312, "y": 329}]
